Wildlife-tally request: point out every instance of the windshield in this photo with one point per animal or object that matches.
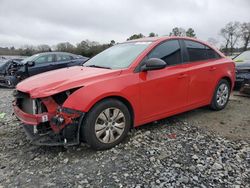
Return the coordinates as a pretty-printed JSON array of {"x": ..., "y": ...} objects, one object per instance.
[
  {"x": 243, "y": 56},
  {"x": 119, "y": 56},
  {"x": 31, "y": 58}
]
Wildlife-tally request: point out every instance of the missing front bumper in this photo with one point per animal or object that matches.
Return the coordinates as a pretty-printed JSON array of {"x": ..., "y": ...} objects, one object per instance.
[
  {"x": 56, "y": 126},
  {"x": 68, "y": 137}
]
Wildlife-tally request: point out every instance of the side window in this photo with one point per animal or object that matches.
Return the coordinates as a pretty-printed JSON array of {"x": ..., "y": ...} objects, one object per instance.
[
  {"x": 169, "y": 51},
  {"x": 211, "y": 54},
  {"x": 44, "y": 59},
  {"x": 199, "y": 52},
  {"x": 63, "y": 57}
]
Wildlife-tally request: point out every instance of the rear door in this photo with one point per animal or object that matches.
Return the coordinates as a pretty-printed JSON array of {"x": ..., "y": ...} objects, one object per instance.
[
  {"x": 165, "y": 90},
  {"x": 62, "y": 61},
  {"x": 202, "y": 68}
]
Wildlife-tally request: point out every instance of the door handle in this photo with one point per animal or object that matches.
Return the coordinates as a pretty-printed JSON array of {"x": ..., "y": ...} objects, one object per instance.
[
  {"x": 212, "y": 68},
  {"x": 183, "y": 75}
]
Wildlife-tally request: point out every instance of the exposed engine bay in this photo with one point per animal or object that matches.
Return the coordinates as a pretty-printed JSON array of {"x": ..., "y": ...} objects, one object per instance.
[{"x": 46, "y": 122}]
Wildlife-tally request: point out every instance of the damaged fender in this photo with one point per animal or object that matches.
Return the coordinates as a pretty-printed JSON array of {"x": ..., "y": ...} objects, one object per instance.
[{"x": 86, "y": 97}]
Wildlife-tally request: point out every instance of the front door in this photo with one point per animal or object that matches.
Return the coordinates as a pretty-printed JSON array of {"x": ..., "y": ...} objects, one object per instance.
[
  {"x": 165, "y": 90},
  {"x": 42, "y": 64}
]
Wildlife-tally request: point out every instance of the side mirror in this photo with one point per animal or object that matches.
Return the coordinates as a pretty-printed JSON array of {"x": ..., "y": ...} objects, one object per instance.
[
  {"x": 30, "y": 63},
  {"x": 154, "y": 64}
]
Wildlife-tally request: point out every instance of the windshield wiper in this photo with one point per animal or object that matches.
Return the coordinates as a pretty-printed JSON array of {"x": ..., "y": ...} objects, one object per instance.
[{"x": 97, "y": 66}]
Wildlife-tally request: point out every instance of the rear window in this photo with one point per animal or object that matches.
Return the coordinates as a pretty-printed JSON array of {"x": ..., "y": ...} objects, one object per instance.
[
  {"x": 63, "y": 57},
  {"x": 200, "y": 52}
]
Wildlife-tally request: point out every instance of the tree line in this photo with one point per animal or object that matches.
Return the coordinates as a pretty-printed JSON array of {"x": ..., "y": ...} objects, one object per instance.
[
  {"x": 233, "y": 34},
  {"x": 86, "y": 48}
]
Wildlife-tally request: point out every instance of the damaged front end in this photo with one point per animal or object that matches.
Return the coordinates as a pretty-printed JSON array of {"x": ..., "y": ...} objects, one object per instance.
[
  {"x": 45, "y": 121},
  {"x": 11, "y": 73}
]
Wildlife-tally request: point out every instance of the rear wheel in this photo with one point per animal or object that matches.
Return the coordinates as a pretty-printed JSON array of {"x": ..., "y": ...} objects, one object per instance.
[
  {"x": 106, "y": 124},
  {"x": 221, "y": 95}
]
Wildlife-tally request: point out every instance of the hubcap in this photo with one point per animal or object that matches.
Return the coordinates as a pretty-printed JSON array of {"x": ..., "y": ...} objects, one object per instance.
[
  {"x": 109, "y": 125},
  {"x": 222, "y": 94}
]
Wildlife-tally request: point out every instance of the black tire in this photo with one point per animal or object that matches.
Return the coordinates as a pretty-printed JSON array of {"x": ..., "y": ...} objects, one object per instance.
[
  {"x": 214, "y": 103},
  {"x": 88, "y": 132},
  {"x": 11, "y": 81}
]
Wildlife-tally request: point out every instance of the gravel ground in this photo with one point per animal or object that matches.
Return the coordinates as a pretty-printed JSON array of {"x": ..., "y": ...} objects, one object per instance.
[{"x": 182, "y": 151}]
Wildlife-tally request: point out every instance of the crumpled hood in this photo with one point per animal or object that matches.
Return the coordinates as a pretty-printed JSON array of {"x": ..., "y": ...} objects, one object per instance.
[
  {"x": 5, "y": 65},
  {"x": 52, "y": 82}
]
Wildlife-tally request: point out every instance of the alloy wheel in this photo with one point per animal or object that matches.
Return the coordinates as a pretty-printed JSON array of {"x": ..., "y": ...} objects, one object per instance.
[
  {"x": 222, "y": 94},
  {"x": 110, "y": 125}
]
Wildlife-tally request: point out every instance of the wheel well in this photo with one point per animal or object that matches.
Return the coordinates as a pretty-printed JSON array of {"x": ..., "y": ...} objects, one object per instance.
[
  {"x": 229, "y": 81},
  {"x": 124, "y": 101}
]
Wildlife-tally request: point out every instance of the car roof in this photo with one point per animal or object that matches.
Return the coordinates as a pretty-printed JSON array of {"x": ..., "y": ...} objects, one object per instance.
[
  {"x": 65, "y": 53},
  {"x": 45, "y": 53},
  {"x": 156, "y": 39},
  {"x": 163, "y": 38}
]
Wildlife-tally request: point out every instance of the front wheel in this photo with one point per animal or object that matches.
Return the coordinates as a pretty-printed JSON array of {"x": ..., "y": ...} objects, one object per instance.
[
  {"x": 11, "y": 81},
  {"x": 221, "y": 95},
  {"x": 106, "y": 124}
]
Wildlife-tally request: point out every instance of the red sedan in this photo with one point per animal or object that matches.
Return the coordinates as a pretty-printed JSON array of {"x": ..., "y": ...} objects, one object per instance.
[{"x": 125, "y": 86}]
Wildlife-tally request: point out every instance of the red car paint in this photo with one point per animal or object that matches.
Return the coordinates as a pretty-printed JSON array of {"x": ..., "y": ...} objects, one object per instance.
[{"x": 151, "y": 95}]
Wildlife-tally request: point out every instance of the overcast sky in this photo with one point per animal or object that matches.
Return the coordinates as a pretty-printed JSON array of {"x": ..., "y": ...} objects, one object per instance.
[{"x": 36, "y": 22}]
